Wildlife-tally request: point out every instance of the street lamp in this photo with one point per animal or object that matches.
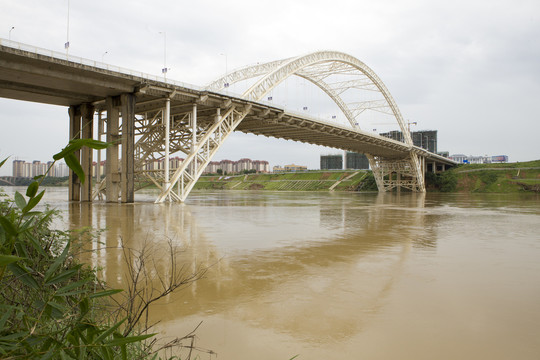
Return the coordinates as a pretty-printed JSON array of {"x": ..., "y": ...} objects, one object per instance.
[
  {"x": 164, "y": 70},
  {"x": 66, "y": 45},
  {"x": 102, "y": 56},
  {"x": 13, "y": 27},
  {"x": 226, "y": 84}
]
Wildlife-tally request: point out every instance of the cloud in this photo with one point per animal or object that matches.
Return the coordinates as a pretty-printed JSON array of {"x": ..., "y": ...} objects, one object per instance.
[{"x": 466, "y": 68}]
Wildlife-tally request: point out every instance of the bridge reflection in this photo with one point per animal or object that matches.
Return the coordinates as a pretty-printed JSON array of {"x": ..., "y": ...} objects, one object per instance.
[{"x": 349, "y": 259}]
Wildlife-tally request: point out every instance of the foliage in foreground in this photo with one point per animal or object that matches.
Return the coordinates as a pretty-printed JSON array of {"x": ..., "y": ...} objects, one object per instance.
[{"x": 52, "y": 306}]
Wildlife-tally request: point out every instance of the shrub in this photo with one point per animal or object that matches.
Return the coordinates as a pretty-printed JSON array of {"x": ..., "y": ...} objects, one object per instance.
[
  {"x": 443, "y": 181},
  {"x": 52, "y": 306}
]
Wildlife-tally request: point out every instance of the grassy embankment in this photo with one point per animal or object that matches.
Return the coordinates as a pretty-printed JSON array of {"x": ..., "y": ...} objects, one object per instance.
[
  {"x": 495, "y": 178},
  {"x": 295, "y": 181},
  {"x": 488, "y": 178}
]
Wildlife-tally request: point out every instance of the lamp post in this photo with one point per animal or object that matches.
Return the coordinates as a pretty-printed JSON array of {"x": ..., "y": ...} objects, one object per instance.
[
  {"x": 164, "y": 70},
  {"x": 226, "y": 84},
  {"x": 102, "y": 56},
  {"x": 66, "y": 45},
  {"x": 13, "y": 27}
]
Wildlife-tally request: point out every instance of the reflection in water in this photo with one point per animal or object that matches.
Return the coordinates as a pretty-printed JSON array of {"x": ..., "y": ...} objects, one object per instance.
[
  {"x": 343, "y": 276},
  {"x": 325, "y": 283}
]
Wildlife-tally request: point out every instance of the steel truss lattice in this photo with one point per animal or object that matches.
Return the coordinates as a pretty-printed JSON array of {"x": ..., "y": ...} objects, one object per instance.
[{"x": 201, "y": 143}]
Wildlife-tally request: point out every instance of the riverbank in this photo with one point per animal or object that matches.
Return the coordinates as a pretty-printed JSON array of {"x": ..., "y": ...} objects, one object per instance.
[
  {"x": 482, "y": 178},
  {"x": 488, "y": 178},
  {"x": 326, "y": 180},
  {"x": 473, "y": 178}
]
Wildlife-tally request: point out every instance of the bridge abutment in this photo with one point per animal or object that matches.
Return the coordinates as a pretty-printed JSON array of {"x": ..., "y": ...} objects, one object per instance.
[
  {"x": 112, "y": 169},
  {"x": 127, "y": 179},
  {"x": 119, "y": 167},
  {"x": 74, "y": 133}
]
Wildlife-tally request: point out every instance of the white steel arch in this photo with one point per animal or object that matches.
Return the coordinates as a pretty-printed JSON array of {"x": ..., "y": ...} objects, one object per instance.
[{"x": 316, "y": 67}]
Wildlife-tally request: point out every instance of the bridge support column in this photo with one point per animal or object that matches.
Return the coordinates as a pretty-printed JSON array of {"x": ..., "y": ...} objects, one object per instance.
[
  {"x": 87, "y": 132},
  {"x": 74, "y": 133},
  {"x": 194, "y": 137},
  {"x": 127, "y": 179},
  {"x": 167, "y": 122},
  {"x": 101, "y": 123},
  {"x": 112, "y": 172}
]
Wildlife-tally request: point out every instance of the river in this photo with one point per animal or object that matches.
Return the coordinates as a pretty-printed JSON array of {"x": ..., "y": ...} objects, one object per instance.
[{"x": 336, "y": 275}]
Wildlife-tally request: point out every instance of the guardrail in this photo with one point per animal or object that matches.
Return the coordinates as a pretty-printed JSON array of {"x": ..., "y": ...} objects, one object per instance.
[{"x": 97, "y": 64}]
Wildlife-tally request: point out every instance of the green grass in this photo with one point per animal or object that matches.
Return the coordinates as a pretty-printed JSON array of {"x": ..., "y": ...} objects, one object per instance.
[
  {"x": 290, "y": 181},
  {"x": 485, "y": 178},
  {"x": 534, "y": 163},
  {"x": 497, "y": 178}
]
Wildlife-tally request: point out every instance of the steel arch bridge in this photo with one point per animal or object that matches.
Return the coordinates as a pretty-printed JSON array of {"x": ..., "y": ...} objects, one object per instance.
[
  {"x": 318, "y": 68},
  {"x": 146, "y": 118}
]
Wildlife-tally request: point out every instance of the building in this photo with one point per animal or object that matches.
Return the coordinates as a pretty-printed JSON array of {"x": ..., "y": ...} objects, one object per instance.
[
  {"x": 36, "y": 168},
  {"x": 459, "y": 158},
  {"x": 175, "y": 162},
  {"x": 227, "y": 166},
  {"x": 332, "y": 162},
  {"x": 61, "y": 169},
  {"x": 243, "y": 165},
  {"x": 394, "y": 135},
  {"x": 231, "y": 167},
  {"x": 426, "y": 139},
  {"x": 294, "y": 167},
  {"x": 212, "y": 167},
  {"x": 29, "y": 170},
  {"x": 261, "y": 166},
  {"x": 355, "y": 161},
  {"x": 18, "y": 168},
  {"x": 445, "y": 154},
  {"x": 100, "y": 168},
  {"x": 478, "y": 160},
  {"x": 464, "y": 159}
]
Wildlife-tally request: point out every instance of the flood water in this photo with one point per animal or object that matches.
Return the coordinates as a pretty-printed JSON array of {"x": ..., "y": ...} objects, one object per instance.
[{"x": 337, "y": 275}]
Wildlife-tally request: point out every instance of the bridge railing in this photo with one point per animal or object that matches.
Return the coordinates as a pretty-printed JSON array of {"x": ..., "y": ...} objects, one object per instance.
[{"x": 97, "y": 64}]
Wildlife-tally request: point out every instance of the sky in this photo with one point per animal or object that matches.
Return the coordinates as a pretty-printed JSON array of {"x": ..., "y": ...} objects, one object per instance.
[{"x": 468, "y": 69}]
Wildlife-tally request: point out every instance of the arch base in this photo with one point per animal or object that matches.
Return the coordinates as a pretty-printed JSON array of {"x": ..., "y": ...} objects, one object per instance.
[{"x": 397, "y": 173}]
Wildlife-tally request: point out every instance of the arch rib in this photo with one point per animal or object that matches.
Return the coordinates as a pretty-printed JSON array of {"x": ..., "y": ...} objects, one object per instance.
[
  {"x": 276, "y": 72},
  {"x": 281, "y": 70}
]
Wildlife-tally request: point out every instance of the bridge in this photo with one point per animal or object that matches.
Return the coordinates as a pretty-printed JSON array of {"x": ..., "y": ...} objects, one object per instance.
[
  {"x": 7, "y": 180},
  {"x": 149, "y": 118}
]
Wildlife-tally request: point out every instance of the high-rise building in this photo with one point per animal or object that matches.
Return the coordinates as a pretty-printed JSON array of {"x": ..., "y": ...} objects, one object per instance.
[
  {"x": 18, "y": 168},
  {"x": 356, "y": 161},
  {"x": 227, "y": 166},
  {"x": 332, "y": 162},
  {"x": 261, "y": 166},
  {"x": 243, "y": 164},
  {"x": 426, "y": 139}
]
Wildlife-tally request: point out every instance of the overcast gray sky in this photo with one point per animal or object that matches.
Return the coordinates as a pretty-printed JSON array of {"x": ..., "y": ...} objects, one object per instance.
[{"x": 469, "y": 69}]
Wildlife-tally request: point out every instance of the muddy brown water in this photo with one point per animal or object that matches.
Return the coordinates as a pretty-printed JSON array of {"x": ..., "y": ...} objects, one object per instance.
[{"x": 336, "y": 275}]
